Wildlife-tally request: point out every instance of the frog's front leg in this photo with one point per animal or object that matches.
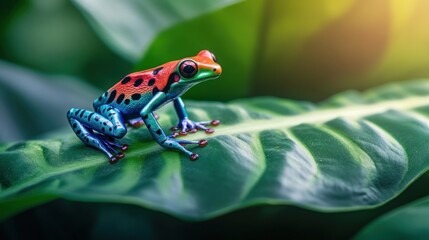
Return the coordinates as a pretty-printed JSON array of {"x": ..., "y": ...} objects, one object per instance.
[
  {"x": 99, "y": 129},
  {"x": 158, "y": 134},
  {"x": 186, "y": 125}
]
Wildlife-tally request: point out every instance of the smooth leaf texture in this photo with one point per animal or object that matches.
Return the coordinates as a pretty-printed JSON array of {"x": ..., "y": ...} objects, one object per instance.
[
  {"x": 407, "y": 222},
  {"x": 129, "y": 26},
  {"x": 352, "y": 151}
]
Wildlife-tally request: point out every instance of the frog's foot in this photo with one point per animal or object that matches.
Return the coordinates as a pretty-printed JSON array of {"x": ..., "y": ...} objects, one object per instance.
[
  {"x": 116, "y": 155},
  {"x": 111, "y": 146},
  {"x": 111, "y": 142},
  {"x": 138, "y": 122},
  {"x": 180, "y": 145},
  {"x": 187, "y": 125}
]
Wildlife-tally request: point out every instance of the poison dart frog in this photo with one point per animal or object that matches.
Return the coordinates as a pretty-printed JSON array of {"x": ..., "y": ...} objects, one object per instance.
[{"x": 134, "y": 98}]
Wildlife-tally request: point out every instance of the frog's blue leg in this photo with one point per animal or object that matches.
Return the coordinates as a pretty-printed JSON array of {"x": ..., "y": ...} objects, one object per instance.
[
  {"x": 187, "y": 125},
  {"x": 157, "y": 132},
  {"x": 99, "y": 129}
]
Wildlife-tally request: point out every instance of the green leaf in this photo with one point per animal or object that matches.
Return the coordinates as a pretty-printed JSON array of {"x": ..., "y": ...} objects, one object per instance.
[
  {"x": 129, "y": 26},
  {"x": 275, "y": 48},
  {"x": 259, "y": 45},
  {"x": 32, "y": 103},
  {"x": 232, "y": 34},
  {"x": 407, "y": 222},
  {"x": 288, "y": 49},
  {"x": 353, "y": 151}
]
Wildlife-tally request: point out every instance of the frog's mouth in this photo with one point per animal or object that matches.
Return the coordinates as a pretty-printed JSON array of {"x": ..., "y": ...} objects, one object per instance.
[{"x": 190, "y": 81}]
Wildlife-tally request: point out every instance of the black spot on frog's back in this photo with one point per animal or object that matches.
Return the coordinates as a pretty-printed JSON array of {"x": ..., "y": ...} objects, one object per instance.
[
  {"x": 111, "y": 97},
  {"x": 170, "y": 81},
  {"x": 157, "y": 70},
  {"x": 151, "y": 82},
  {"x": 125, "y": 80},
  {"x": 120, "y": 98},
  {"x": 138, "y": 82}
]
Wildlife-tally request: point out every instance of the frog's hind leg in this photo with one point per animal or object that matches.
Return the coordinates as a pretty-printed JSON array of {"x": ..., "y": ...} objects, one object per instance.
[
  {"x": 88, "y": 137},
  {"x": 99, "y": 129}
]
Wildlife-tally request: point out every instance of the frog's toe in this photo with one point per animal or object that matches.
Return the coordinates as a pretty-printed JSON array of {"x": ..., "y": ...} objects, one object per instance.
[
  {"x": 203, "y": 125},
  {"x": 215, "y": 122},
  {"x": 193, "y": 156},
  {"x": 204, "y": 128},
  {"x": 137, "y": 124},
  {"x": 202, "y": 143},
  {"x": 124, "y": 147},
  {"x": 173, "y": 135},
  {"x": 120, "y": 155},
  {"x": 113, "y": 159},
  {"x": 209, "y": 130}
]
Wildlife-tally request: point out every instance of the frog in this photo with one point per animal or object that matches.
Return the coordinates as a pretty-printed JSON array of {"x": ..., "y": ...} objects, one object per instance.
[{"x": 133, "y": 100}]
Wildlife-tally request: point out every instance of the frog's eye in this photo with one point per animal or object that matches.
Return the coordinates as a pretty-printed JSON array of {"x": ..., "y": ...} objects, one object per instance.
[
  {"x": 188, "y": 69},
  {"x": 213, "y": 57}
]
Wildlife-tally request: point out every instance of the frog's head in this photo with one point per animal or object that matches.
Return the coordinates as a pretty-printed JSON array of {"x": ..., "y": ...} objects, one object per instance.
[{"x": 199, "y": 68}]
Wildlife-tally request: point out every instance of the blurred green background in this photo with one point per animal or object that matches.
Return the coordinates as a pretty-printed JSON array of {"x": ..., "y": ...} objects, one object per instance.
[{"x": 57, "y": 54}]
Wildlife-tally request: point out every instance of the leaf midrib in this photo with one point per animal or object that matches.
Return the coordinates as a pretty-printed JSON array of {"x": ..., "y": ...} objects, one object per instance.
[
  {"x": 321, "y": 116},
  {"x": 316, "y": 116}
]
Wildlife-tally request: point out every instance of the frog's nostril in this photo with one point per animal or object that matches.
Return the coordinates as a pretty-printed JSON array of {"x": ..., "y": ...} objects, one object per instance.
[{"x": 214, "y": 69}]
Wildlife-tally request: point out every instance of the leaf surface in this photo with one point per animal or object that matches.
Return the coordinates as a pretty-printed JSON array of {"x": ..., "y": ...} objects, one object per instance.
[
  {"x": 32, "y": 103},
  {"x": 293, "y": 50},
  {"x": 407, "y": 222},
  {"x": 353, "y": 151},
  {"x": 129, "y": 26}
]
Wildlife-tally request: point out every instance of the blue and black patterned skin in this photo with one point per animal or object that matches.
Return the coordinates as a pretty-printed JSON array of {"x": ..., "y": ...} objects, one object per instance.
[{"x": 133, "y": 100}]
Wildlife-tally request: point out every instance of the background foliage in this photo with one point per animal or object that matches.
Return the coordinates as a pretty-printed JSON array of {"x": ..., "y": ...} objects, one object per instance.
[{"x": 57, "y": 54}]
